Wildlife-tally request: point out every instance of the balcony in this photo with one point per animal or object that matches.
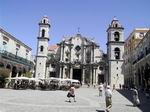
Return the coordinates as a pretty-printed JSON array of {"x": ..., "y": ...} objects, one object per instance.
[{"x": 15, "y": 58}]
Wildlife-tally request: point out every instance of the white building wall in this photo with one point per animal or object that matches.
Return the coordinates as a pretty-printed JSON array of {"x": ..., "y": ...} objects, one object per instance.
[
  {"x": 11, "y": 47},
  {"x": 40, "y": 71},
  {"x": 117, "y": 73}
]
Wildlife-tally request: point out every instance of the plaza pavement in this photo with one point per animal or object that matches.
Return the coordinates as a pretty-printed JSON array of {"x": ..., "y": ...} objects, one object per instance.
[{"x": 56, "y": 101}]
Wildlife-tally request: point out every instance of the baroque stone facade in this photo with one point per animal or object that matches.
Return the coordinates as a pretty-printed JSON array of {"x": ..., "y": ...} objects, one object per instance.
[
  {"x": 74, "y": 57},
  {"x": 78, "y": 58}
]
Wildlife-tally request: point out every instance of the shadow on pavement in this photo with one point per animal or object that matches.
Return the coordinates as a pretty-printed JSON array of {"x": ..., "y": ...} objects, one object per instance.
[
  {"x": 100, "y": 111},
  {"x": 144, "y": 103}
]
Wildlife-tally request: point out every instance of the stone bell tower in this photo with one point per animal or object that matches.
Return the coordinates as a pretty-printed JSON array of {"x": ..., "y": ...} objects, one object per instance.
[
  {"x": 115, "y": 51},
  {"x": 42, "y": 48}
]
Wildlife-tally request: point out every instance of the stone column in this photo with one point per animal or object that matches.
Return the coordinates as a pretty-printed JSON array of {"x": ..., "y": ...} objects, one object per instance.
[
  {"x": 70, "y": 53},
  {"x": 91, "y": 54},
  {"x": 71, "y": 72},
  {"x": 60, "y": 70},
  {"x": 96, "y": 76},
  {"x": 17, "y": 74},
  {"x": 83, "y": 76},
  {"x": 91, "y": 77},
  {"x": 64, "y": 73},
  {"x": 84, "y": 54},
  {"x": 61, "y": 52}
]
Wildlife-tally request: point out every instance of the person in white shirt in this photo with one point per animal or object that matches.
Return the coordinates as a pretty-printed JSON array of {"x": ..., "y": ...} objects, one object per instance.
[
  {"x": 100, "y": 88},
  {"x": 108, "y": 98}
]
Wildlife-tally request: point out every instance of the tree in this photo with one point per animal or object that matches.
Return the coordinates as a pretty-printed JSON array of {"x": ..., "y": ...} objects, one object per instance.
[{"x": 28, "y": 74}]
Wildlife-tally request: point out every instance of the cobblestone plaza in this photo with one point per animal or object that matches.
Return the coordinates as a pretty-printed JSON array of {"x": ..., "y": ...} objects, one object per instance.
[{"x": 56, "y": 101}]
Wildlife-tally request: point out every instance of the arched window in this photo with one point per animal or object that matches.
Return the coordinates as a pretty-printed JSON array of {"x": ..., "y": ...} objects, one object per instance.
[
  {"x": 44, "y": 21},
  {"x": 116, "y": 25},
  {"x": 117, "y": 53},
  {"x": 41, "y": 48},
  {"x": 116, "y": 36},
  {"x": 43, "y": 33}
]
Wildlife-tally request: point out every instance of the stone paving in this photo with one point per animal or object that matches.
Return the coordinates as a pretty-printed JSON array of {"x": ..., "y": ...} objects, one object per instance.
[{"x": 56, "y": 101}]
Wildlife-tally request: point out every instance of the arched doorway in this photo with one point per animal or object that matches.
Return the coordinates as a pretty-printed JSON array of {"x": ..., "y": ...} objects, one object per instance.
[
  {"x": 77, "y": 74},
  {"x": 20, "y": 72},
  {"x": 147, "y": 73},
  {"x": 8, "y": 66},
  {"x": 14, "y": 71},
  {"x": 100, "y": 78}
]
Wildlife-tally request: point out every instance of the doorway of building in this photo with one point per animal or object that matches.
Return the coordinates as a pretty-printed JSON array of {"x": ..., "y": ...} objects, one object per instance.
[
  {"x": 77, "y": 74},
  {"x": 100, "y": 78},
  {"x": 14, "y": 71}
]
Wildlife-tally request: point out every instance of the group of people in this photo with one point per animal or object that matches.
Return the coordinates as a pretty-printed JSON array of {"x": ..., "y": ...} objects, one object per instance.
[{"x": 108, "y": 95}]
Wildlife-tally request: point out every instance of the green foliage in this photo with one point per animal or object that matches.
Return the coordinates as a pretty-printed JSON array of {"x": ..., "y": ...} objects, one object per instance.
[
  {"x": 28, "y": 74},
  {"x": 4, "y": 73}
]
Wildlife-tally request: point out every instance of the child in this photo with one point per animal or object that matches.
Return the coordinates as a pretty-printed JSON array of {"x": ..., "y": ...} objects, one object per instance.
[{"x": 71, "y": 93}]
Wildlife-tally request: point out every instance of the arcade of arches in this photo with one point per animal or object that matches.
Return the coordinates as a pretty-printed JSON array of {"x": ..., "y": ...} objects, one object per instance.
[
  {"x": 143, "y": 75},
  {"x": 15, "y": 69}
]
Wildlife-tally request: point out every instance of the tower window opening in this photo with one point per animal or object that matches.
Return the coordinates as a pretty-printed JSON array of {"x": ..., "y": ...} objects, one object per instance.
[
  {"x": 116, "y": 36},
  {"x": 41, "y": 48},
  {"x": 44, "y": 21},
  {"x": 43, "y": 33},
  {"x": 116, "y": 25},
  {"x": 117, "y": 53}
]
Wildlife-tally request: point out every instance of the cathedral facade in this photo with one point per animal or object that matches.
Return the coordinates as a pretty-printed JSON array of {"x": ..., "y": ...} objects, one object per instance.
[{"x": 75, "y": 57}]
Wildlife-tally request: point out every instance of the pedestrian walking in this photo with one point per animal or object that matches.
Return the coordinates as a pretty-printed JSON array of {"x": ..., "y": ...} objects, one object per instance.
[
  {"x": 120, "y": 86},
  {"x": 114, "y": 87},
  {"x": 71, "y": 93},
  {"x": 147, "y": 93},
  {"x": 108, "y": 98},
  {"x": 136, "y": 101},
  {"x": 100, "y": 88}
]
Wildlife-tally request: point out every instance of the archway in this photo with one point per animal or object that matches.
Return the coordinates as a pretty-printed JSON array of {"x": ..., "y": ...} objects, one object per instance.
[
  {"x": 100, "y": 78},
  {"x": 147, "y": 72},
  {"x": 117, "y": 53},
  {"x": 77, "y": 74},
  {"x": 8, "y": 66},
  {"x": 14, "y": 71}
]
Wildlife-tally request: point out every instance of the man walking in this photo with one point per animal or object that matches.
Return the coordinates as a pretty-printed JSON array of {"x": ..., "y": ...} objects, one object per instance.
[{"x": 108, "y": 98}]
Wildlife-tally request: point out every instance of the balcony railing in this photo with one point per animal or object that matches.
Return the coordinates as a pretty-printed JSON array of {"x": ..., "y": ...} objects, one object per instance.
[{"x": 15, "y": 58}]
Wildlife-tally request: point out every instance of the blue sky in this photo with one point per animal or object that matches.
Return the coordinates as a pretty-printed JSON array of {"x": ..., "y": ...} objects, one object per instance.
[{"x": 20, "y": 18}]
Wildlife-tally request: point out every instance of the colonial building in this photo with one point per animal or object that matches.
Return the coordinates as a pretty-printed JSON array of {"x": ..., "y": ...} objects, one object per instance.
[
  {"x": 75, "y": 57},
  {"x": 115, "y": 51},
  {"x": 141, "y": 62},
  {"x": 131, "y": 43},
  {"x": 14, "y": 54}
]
